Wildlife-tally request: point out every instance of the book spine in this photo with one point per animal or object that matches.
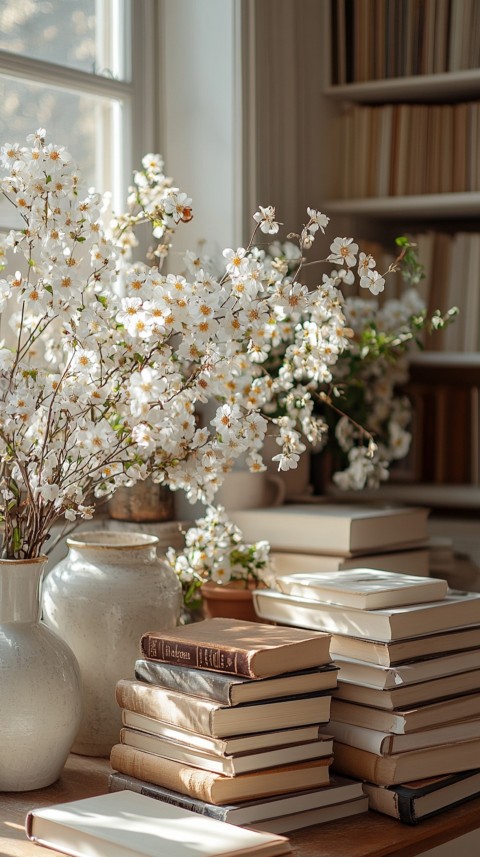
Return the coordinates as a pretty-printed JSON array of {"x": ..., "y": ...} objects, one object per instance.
[
  {"x": 207, "y": 684},
  {"x": 199, "y": 656},
  {"x": 171, "y": 775},
  {"x": 195, "y": 715},
  {"x": 119, "y": 782},
  {"x": 362, "y": 765},
  {"x": 406, "y": 808}
]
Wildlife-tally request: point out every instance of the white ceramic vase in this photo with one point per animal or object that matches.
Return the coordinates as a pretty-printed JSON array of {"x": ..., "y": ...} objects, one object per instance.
[
  {"x": 40, "y": 684},
  {"x": 109, "y": 590}
]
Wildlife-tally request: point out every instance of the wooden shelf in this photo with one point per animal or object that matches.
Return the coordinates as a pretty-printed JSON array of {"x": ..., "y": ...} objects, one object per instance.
[
  {"x": 367, "y": 835},
  {"x": 454, "y": 86},
  {"x": 435, "y": 205}
]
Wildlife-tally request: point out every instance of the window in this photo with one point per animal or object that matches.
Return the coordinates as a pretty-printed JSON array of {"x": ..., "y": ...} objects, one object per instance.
[{"x": 73, "y": 67}]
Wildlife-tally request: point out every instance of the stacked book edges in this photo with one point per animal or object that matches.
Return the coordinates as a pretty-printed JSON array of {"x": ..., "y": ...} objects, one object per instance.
[
  {"x": 230, "y": 720},
  {"x": 405, "y": 715}
]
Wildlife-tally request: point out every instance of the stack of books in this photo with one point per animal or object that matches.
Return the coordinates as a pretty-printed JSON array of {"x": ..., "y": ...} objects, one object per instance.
[
  {"x": 328, "y": 537},
  {"x": 227, "y": 719},
  {"x": 407, "y": 705}
]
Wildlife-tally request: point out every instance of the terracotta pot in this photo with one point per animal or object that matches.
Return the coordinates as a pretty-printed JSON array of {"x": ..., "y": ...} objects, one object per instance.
[{"x": 228, "y": 601}]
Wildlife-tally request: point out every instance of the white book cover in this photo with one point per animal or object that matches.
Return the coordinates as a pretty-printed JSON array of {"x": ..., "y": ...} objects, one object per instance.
[
  {"x": 133, "y": 825},
  {"x": 364, "y": 588},
  {"x": 456, "y": 610},
  {"x": 426, "y": 669},
  {"x": 334, "y": 528}
]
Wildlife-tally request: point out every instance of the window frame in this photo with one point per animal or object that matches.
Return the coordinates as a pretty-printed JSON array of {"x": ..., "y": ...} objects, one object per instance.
[{"x": 139, "y": 123}]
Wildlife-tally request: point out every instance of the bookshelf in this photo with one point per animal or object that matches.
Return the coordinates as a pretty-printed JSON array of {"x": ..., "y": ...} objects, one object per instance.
[{"x": 383, "y": 60}]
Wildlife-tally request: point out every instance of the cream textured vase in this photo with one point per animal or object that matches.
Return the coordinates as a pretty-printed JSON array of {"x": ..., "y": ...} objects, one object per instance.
[
  {"x": 109, "y": 590},
  {"x": 40, "y": 684}
]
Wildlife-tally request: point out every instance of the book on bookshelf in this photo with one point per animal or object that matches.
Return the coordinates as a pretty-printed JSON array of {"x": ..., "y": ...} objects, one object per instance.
[
  {"x": 395, "y": 652},
  {"x": 210, "y": 718},
  {"x": 412, "y": 802},
  {"x": 339, "y": 790},
  {"x": 410, "y": 719},
  {"x": 230, "y": 765},
  {"x": 404, "y": 767},
  {"x": 335, "y": 528},
  {"x": 221, "y": 746},
  {"x": 425, "y": 670},
  {"x": 249, "y": 649},
  {"x": 411, "y": 561},
  {"x": 364, "y": 588},
  {"x": 388, "y": 743},
  {"x": 306, "y": 818},
  {"x": 234, "y": 690},
  {"x": 456, "y": 610},
  {"x": 135, "y": 825},
  {"x": 217, "y": 788},
  {"x": 409, "y": 695}
]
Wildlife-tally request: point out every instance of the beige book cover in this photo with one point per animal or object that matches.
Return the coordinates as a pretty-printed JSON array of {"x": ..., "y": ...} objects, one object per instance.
[{"x": 135, "y": 825}]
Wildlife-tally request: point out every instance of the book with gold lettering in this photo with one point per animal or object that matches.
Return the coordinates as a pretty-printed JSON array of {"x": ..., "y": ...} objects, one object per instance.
[{"x": 249, "y": 649}]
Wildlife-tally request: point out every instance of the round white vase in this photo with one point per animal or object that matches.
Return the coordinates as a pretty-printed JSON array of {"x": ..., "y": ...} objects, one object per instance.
[
  {"x": 40, "y": 684},
  {"x": 109, "y": 590}
]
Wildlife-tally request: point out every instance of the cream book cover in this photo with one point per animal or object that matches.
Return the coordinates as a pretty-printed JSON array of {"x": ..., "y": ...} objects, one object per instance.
[
  {"x": 135, "y": 825},
  {"x": 364, "y": 588}
]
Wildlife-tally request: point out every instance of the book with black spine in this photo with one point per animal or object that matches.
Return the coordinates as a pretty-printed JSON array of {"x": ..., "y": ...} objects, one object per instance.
[{"x": 421, "y": 799}]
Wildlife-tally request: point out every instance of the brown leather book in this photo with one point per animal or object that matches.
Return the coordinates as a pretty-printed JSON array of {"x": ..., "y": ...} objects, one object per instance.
[{"x": 250, "y": 649}]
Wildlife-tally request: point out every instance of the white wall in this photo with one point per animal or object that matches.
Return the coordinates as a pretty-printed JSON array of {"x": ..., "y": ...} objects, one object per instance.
[{"x": 200, "y": 98}]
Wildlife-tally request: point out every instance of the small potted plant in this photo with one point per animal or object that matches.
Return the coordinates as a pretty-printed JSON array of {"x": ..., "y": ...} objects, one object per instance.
[{"x": 218, "y": 570}]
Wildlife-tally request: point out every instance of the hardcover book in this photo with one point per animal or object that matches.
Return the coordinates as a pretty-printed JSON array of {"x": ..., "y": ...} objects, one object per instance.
[
  {"x": 456, "y": 610},
  {"x": 322, "y": 815},
  {"x": 388, "y": 678},
  {"x": 334, "y": 528},
  {"x": 364, "y": 588},
  {"x": 400, "y": 651},
  {"x": 250, "y": 649},
  {"x": 211, "y": 718},
  {"x": 420, "y": 799},
  {"x": 410, "y": 719},
  {"x": 221, "y": 746},
  {"x": 405, "y": 767},
  {"x": 388, "y": 743},
  {"x": 216, "y": 788},
  {"x": 409, "y": 695},
  {"x": 135, "y": 825},
  {"x": 411, "y": 561},
  {"x": 339, "y": 790},
  {"x": 234, "y": 690},
  {"x": 230, "y": 765}
]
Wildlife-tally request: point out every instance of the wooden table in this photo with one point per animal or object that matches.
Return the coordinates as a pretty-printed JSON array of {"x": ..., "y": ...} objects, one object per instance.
[{"x": 369, "y": 835}]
